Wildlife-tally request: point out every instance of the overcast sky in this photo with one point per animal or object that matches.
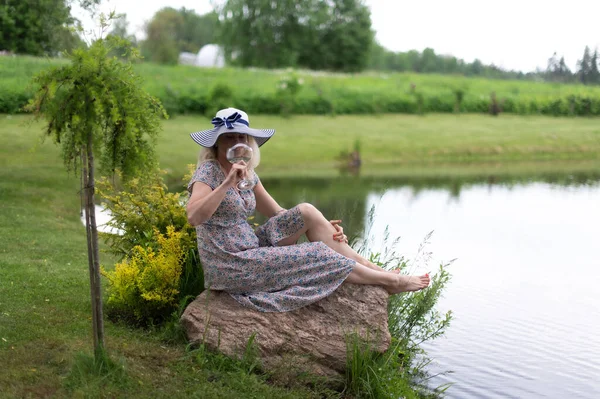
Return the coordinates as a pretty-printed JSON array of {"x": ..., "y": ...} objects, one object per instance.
[{"x": 513, "y": 34}]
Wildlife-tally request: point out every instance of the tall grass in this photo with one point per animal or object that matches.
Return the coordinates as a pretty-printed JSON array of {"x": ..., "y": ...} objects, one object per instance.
[{"x": 412, "y": 320}]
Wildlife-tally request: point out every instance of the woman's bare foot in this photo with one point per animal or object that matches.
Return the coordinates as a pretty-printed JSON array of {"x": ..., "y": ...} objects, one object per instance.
[{"x": 409, "y": 283}]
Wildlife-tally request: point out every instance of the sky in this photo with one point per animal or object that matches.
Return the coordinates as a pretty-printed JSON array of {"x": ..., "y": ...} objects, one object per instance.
[{"x": 512, "y": 34}]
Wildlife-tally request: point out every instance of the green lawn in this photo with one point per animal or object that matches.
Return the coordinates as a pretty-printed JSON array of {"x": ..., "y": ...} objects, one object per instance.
[
  {"x": 393, "y": 145},
  {"x": 44, "y": 286}
]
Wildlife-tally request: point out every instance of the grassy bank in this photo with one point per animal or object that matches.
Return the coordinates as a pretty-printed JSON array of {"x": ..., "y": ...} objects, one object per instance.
[
  {"x": 186, "y": 89},
  {"x": 44, "y": 298},
  {"x": 392, "y": 145},
  {"x": 405, "y": 145}
]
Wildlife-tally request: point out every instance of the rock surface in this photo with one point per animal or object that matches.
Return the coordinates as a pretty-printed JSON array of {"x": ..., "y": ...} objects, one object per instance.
[{"x": 312, "y": 338}]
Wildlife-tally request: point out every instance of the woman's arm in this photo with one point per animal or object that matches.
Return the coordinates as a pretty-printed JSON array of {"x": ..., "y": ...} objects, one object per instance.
[
  {"x": 204, "y": 201},
  {"x": 265, "y": 204}
]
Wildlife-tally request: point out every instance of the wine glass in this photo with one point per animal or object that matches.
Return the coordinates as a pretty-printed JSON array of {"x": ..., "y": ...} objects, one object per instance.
[{"x": 236, "y": 154}]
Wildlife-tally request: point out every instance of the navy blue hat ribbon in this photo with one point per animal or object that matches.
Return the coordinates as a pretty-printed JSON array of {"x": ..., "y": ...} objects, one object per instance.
[{"x": 236, "y": 117}]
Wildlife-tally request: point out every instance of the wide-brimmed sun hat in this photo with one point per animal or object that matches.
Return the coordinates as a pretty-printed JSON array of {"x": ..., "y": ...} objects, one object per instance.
[{"x": 231, "y": 120}]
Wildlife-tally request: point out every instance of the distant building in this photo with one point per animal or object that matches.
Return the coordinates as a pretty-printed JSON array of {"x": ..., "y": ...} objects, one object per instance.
[{"x": 209, "y": 56}]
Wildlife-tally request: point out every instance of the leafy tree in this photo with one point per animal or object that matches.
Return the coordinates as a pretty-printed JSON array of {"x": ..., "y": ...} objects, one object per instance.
[
  {"x": 429, "y": 61},
  {"x": 34, "y": 27},
  {"x": 40, "y": 27},
  {"x": 475, "y": 68},
  {"x": 161, "y": 40},
  {"x": 346, "y": 37},
  {"x": 333, "y": 34},
  {"x": 172, "y": 31},
  {"x": 196, "y": 30},
  {"x": 95, "y": 108},
  {"x": 263, "y": 33}
]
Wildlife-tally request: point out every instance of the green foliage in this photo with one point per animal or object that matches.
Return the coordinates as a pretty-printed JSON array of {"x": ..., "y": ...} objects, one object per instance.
[
  {"x": 142, "y": 211},
  {"x": 287, "y": 90},
  {"x": 172, "y": 31},
  {"x": 37, "y": 27},
  {"x": 144, "y": 204},
  {"x": 160, "y": 45},
  {"x": 102, "y": 97},
  {"x": 144, "y": 287},
  {"x": 120, "y": 30},
  {"x": 333, "y": 35},
  {"x": 412, "y": 320},
  {"x": 219, "y": 97},
  {"x": 183, "y": 89}
]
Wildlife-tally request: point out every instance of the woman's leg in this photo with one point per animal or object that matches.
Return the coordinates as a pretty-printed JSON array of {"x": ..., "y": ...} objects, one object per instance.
[
  {"x": 392, "y": 282},
  {"x": 317, "y": 228}
]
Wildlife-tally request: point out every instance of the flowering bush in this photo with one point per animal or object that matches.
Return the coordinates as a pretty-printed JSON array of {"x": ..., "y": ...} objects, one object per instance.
[
  {"x": 144, "y": 287},
  {"x": 159, "y": 269}
]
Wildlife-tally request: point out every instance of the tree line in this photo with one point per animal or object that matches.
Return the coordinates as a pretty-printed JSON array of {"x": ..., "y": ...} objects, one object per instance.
[
  {"x": 587, "y": 72},
  {"x": 333, "y": 35}
]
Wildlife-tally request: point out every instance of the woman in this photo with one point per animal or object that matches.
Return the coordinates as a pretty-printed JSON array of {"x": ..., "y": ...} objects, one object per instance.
[{"x": 264, "y": 268}]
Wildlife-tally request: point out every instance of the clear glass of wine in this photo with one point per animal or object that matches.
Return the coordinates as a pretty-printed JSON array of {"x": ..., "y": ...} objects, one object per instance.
[{"x": 241, "y": 153}]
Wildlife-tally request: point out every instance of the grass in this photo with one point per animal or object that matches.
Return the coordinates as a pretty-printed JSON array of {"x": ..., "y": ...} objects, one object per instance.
[
  {"x": 396, "y": 145},
  {"x": 45, "y": 326}
]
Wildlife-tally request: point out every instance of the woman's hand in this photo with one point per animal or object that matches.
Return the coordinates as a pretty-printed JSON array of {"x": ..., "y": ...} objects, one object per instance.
[
  {"x": 236, "y": 173},
  {"x": 339, "y": 231}
]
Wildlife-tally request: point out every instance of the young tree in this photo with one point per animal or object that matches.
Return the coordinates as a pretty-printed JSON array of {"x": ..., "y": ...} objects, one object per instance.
[{"x": 95, "y": 108}]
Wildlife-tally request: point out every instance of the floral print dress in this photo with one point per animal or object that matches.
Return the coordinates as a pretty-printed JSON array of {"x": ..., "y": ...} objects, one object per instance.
[{"x": 248, "y": 264}]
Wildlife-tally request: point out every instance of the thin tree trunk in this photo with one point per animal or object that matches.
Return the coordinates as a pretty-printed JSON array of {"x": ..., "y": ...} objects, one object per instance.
[
  {"x": 93, "y": 252},
  {"x": 90, "y": 251}
]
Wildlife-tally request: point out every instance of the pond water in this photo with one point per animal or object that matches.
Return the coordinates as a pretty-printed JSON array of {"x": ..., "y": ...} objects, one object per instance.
[{"x": 524, "y": 288}]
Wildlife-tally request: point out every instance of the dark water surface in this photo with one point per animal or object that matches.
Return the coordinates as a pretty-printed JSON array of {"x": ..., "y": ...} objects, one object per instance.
[{"x": 525, "y": 285}]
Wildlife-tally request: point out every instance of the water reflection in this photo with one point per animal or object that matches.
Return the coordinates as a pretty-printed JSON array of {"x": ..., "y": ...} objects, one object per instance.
[{"x": 524, "y": 288}]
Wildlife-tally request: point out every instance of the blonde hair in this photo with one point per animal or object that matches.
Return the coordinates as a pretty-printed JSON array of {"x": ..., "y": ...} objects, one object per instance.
[{"x": 210, "y": 153}]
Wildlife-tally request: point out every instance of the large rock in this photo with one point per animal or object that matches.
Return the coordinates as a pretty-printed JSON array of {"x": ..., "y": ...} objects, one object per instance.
[{"x": 312, "y": 338}]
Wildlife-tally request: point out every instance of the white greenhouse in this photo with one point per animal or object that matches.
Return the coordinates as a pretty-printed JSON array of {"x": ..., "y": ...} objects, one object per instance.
[{"x": 211, "y": 56}]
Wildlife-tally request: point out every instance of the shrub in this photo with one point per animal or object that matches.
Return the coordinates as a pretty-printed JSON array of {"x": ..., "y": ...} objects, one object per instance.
[
  {"x": 287, "y": 90},
  {"x": 144, "y": 211},
  {"x": 219, "y": 97},
  {"x": 144, "y": 287}
]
